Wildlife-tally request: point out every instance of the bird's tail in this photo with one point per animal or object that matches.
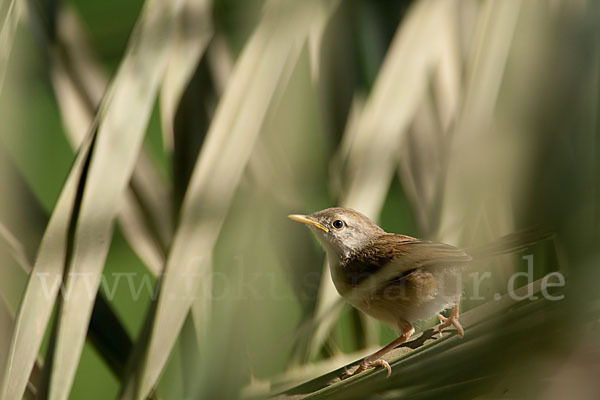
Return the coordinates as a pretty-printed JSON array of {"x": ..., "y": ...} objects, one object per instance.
[{"x": 511, "y": 243}]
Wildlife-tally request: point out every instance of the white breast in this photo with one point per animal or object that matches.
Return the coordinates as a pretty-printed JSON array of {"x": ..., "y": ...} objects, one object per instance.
[{"x": 448, "y": 288}]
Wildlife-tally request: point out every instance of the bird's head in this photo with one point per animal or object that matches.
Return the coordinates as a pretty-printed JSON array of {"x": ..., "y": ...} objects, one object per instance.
[{"x": 341, "y": 231}]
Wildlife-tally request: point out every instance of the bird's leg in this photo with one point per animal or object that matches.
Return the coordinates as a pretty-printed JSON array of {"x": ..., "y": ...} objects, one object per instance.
[
  {"x": 375, "y": 360},
  {"x": 451, "y": 320}
]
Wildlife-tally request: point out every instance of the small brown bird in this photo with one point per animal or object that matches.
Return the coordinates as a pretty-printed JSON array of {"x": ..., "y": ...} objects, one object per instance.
[{"x": 396, "y": 278}]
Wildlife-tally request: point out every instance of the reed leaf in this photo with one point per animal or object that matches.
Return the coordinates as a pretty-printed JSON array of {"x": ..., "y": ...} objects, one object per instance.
[
  {"x": 118, "y": 141},
  {"x": 193, "y": 34},
  {"x": 34, "y": 310},
  {"x": 7, "y": 34},
  {"x": 11, "y": 244},
  {"x": 79, "y": 83},
  {"x": 260, "y": 75}
]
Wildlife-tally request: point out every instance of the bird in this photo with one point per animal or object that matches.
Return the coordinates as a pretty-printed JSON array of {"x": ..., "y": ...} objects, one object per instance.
[{"x": 395, "y": 278}]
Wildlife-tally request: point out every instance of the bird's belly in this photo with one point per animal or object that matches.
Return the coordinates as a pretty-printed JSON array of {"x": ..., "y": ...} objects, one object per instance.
[{"x": 420, "y": 295}]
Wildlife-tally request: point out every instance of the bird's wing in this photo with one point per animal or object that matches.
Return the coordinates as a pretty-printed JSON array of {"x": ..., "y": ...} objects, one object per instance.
[
  {"x": 423, "y": 253},
  {"x": 394, "y": 256}
]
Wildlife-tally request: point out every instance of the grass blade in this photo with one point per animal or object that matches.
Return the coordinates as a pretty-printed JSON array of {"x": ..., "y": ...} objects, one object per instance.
[
  {"x": 194, "y": 31},
  {"x": 106, "y": 331},
  {"x": 15, "y": 248},
  {"x": 7, "y": 313},
  {"x": 79, "y": 84},
  {"x": 220, "y": 62},
  {"x": 34, "y": 311},
  {"x": 77, "y": 78},
  {"x": 193, "y": 34},
  {"x": 7, "y": 35},
  {"x": 9, "y": 247},
  {"x": 6, "y": 327},
  {"x": 258, "y": 78},
  {"x": 488, "y": 210},
  {"x": 122, "y": 121}
]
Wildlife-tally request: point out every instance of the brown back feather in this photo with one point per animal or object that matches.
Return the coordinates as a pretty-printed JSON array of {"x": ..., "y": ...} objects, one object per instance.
[{"x": 392, "y": 256}]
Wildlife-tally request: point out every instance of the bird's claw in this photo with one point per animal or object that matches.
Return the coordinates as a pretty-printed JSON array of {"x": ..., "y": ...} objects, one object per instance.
[
  {"x": 364, "y": 365},
  {"x": 452, "y": 320}
]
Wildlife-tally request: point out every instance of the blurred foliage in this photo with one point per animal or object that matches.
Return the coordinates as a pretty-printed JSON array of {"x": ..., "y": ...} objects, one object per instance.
[{"x": 452, "y": 120}]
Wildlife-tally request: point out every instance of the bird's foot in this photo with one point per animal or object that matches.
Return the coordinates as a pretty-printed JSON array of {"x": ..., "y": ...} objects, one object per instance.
[
  {"x": 452, "y": 320},
  {"x": 366, "y": 364}
]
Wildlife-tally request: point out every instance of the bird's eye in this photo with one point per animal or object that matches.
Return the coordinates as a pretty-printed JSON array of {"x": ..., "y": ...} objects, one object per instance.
[{"x": 338, "y": 224}]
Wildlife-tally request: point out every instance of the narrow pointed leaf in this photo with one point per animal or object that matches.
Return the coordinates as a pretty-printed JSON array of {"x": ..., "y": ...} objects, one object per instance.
[
  {"x": 258, "y": 78},
  {"x": 193, "y": 33},
  {"x": 122, "y": 120},
  {"x": 40, "y": 293},
  {"x": 7, "y": 35},
  {"x": 145, "y": 214}
]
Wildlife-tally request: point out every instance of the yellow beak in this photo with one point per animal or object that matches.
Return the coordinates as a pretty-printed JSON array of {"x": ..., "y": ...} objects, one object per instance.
[{"x": 305, "y": 219}]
